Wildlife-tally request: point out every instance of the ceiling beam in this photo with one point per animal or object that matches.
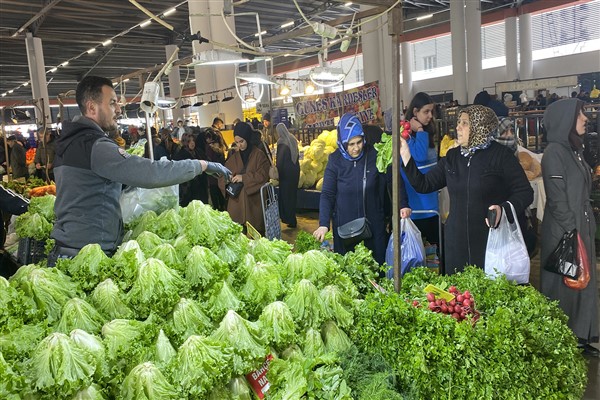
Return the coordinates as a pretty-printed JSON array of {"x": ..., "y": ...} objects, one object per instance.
[{"x": 40, "y": 13}]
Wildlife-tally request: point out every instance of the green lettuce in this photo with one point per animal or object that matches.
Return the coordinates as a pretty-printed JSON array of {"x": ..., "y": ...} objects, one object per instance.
[
  {"x": 15, "y": 308},
  {"x": 182, "y": 245},
  {"x": 43, "y": 205},
  {"x": 11, "y": 382},
  {"x": 59, "y": 367},
  {"x": 306, "y": 304},
  {"x": 148, "y": 241},
  {"x": 246, "y": 339},
  {"x": 145, "y": 222},
  {"x": 79, "y": 314},
  {"x": 31, "y": 225},
  {"x": 207, "y": 226},
  {"x": 17, "y": 344},
  {"x": 313, "y": 345},
  {"x": 278, "y": 325},
  {"x": 127, "y": 339},
  {"x": 146, "y": 382},
  {"x": 267, "y": 250},
  {"x": 384, "y": 152},
  {"x": 339, "y": 306},
  {"x": 164, "y": 351},
  {"x": 336, "y": 340},
  {"x": 223, "y": 299},
  {"x": 89, "y": 267},
  {"x": 232, "y": 249},
  {"x": 93, "y": 345},
  {"x": 202, "y": 266},
  {"x": 316, "y": 265},
  {"x": 292, "y": 268},
  {"x": 240, "y": 390},
  {"x": 127, "y": 259},
  {"x": 263, "y": 286},
  {"x": 305, "y": 242},
  {"x": 92, "y": 392},
  {"x": 167, "y": 254},
  {"x": 200, "y": 364},
  {"x": 187, "y": 319},
  {"x": 168, "y": 225},
  {"x": 287, "y": 379},
  {"x": 156, "y": 288},
  {"x": 108, "y": 299}
]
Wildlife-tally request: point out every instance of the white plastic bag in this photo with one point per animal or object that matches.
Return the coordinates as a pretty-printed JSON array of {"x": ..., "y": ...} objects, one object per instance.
[
  {"x": 135, "y": 201},
  {"x": 412, "y": 248},
  {"x": 506, "y": 252}
]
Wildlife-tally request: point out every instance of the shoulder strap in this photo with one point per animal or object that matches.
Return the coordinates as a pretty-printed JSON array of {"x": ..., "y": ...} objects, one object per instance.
[{"x": 364, "y": 185}]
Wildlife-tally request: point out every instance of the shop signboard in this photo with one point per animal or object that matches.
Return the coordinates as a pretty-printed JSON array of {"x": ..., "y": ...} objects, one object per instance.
[{"x": 321, "y": 110}]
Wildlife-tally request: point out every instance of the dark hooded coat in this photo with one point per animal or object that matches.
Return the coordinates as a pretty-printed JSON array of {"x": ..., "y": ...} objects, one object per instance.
[{"x": 568, "y": 183}]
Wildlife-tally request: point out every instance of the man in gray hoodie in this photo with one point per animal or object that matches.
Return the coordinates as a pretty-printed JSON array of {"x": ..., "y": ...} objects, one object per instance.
[{"x": 91, "y": 169}]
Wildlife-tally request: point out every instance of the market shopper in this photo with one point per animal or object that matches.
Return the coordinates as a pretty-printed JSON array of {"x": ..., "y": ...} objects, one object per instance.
[
  {"x": 167, "y": 147},
  {"x": 288, "y": 168},
  {"x": 422, "y": 149},
  {"x": 91, "y": 170},
  {"x": 481, "y": 175},
  {"x": 44, "y": 155},
  {"x": 197, "y": 187},
  {"x": 249, "y": 166},
  {"x": 215, "y": 152},
  {"x": 341, "y": 198},
  {"x": 17, "y": 158},
  {"x": 568, "y": 183}
]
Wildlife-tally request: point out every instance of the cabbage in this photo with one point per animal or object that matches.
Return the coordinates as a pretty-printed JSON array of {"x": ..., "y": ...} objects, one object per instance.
[
  {"x": 92, "y": 392},
  {"x": 31, "y": 225},
  {"x": 274, "y": 250},
  {"x": 336, "y": 340},
  {"x": 222, "y": 300},
  {"x": 246, "y": 339},
  {"x": 156, "y": 288},
  {"x": 262, "y": 287},
  {"x": 89, "y": 267},
  {"x": 338, "y": 305},
  {"x": 163, "y": 350},
  {"x": 200, "y": 364},
  {"x": 146, "y": 382},
  {"x": 306, "y": 304},
  {"x": 43, "y": 205},
  {"x": 168, "y": 225},
  {"x": 313, "y": 345},
  {"x": 187, "y": 319},
  {"x": 49, "y": 288},
  {"x": 167, "y": 254},
  {"x": 107, "y": 299},
  {"x": 277, "y": 323},
  {"x": 59, "y": 367},
  {"x": 202, "y": 267},
  {"x": 79, "y": 314},
  {"x": 93, "y": 345},
  {"x": 148, "y": 241}
]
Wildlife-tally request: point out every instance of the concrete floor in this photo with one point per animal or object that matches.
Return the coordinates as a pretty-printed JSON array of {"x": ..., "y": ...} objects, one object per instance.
[{"x": 308, "y": 221}]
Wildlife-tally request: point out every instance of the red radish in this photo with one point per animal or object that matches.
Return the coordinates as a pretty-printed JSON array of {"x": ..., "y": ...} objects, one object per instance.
[
  {"x": 467, "y": 294},
  {"x": 438, "y": 302},
  {"x": 467, "y": 303},
  {"x": 430, "y": 297},
  {"x": 416, "y": 303},
  {"x": 452, "y": 289},
  {"x": 432, "y": 306},
  {"x": 455, "y": 315},
  {"x": 457, "y": 309},
  {"x": 452, "y": 302},
  {"x": 444, "y": 309},
  {"x": 460, "y": 298}
]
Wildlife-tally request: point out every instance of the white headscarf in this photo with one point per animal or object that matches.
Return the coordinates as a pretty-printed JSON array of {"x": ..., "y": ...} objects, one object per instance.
[{"x": 285, "y": 137}]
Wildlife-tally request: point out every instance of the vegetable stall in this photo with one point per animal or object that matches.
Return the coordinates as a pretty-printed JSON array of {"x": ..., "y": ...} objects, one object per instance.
[{"x": 188, "y": 307}]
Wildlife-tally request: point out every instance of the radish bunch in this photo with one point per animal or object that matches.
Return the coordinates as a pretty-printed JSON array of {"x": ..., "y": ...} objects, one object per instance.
[{"x": 459, "y": 308}]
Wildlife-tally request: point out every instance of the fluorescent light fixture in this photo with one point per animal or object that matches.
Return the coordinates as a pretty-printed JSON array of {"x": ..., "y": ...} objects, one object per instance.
[
  {"x": 90, "y": 51},
  {"x": 145, "y": 23},
  {"x": 228, "y": 97},
  {"x": 26, "y": 83},
  {"x": 287, "y": 24},
  {"x": 198, "y": 103},
  {"x": 422, "y": 17},
  {"x": 106, "y": 42},
  {"x": 213, "y": 99},
  {"x": 218, "y": 57},
  {"x": 193, "y": 80},
  {"x": 260, "y": 33},
  {"x": 284, "y": 91},
  {"x": 11, "y": 90},
  {"x": 53, "y": 69},
  {"x": 327, "y": 76},
  {"x": 126, "y": 80},
  {"x": 169, "y": 11},
  {"x": 64, "y": 64},
  {"x": 253, "y": 77},
  {"x": 348, "y": 4},
  {"x": 4, "y": 94}
]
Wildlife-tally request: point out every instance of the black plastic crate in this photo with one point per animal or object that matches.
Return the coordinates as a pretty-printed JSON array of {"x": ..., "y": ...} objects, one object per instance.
[{"x": 31, "y": 251}]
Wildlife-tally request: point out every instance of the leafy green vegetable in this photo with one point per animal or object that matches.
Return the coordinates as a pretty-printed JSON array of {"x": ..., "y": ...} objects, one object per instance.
[
  {"x": 313, "y": 345},
  {"x": 305, "y": 242},
  {"x": 278, "y": 325},
  {"x": 361, "y": 267},
  {"x": 167, "y": 254},
  {"x": 206, "y": 226},
  {"x": 148, "y": 241},
  {"x": 338, "y": 305},
  {"x": 32, "y": 225},
  {"x": 146, "y": 382},
  {"x": 11, "y": 382},
  {"x": 336, "y": 340},
  {"x": 79, "y": 314},
  {"x": 263, "y": 286},
  {"x": 187, "y": 319},
  {"x": 267, "y": 250},
  {"x": 93, "y": 345},
  {"x": 17, "y": 344},
  {"x": 127, "y": 339},
  {"x": 292, "y": 268},
  {"x": 157, "y": 288},
  {"x": 168, "y": 225},
  {"x": 92, "y": 392},
  {"x": 43, "y": 205},
  {"x": 222, "y": 299},
  {"x": 89, "y": 267},
  {"x": 108, "y": 299},
  {"x": 287, "y": 379},
  {"x": 246, "y": 339},
  {"x": 384, "y": 153},
  {"x": 164, "y": 351},
  {"x": 146, "y": 222},
  {"x": 232, "y": 249},
  {"x": 240, "y": 390},
  {"x": 316, "y": 265},
  {"x": 200, "y": 364},
  {"x": 369, "y": 376},
  {"x": 15, "y": 308},
  {"x": 127, "y": 259},
  {"x": 306, "y": 304},
  {"x": 202, "y": 267},
  {"x": 182, "y": 245},
  {"x": 59, "y": 367}
]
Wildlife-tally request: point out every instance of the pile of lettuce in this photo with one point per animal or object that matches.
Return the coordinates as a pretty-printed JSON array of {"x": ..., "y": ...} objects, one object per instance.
[
  {"x": 188, "y": 307},
  {"x": 37, "y": 221}
]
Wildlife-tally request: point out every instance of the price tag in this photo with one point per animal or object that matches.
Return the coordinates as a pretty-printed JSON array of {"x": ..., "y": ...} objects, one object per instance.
[
  {"x": 439, "y": 293},
  {"x": 258, "y": 379}
]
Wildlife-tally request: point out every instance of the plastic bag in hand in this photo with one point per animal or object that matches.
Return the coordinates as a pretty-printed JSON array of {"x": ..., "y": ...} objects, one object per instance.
[
  {"x": 135, "y": 201},
  {"x": 412, "y": 248}
]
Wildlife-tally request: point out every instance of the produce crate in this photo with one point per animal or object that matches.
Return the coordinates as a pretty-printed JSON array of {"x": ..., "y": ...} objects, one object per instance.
[{"x": 31, "y": 251}]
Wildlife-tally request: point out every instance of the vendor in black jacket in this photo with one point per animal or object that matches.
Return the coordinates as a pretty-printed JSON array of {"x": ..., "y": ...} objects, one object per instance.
[
  {"x": 481, "y": 175},
  {"x": 91, "y": 169}
]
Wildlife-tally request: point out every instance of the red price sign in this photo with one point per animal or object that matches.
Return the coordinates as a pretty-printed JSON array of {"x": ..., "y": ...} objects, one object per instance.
[{"x": 258, "y": 379}]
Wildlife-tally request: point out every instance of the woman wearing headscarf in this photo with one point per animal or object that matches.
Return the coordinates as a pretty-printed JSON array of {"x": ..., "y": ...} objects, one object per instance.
[
  {"x": 288, "y": 168},
  {"x": 568, "y": 183},
  {"x": 481, "y": 175},
  {"x": 250, "y": 166},
  {"x": 342, "y": 196}
]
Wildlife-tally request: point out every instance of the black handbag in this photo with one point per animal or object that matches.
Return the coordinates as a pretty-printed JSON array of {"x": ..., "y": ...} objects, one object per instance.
[
  {"x": 563, "y": 259},
  {"x": 358, "y": 229},
  {"x": 233, "y": 189}
]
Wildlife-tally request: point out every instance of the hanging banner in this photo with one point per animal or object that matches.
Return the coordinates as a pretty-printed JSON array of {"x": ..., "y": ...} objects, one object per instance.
[{"x": 321, "y": 110}]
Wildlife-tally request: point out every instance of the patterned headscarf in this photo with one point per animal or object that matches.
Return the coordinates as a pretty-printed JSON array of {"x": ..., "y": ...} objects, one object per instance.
[
  {"x": 483, "y": 123},
  {"x": 504, "y": 125}
]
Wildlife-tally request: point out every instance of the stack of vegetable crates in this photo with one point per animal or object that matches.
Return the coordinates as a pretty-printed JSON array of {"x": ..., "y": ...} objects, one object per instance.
[{"x": 30, "y": 251}]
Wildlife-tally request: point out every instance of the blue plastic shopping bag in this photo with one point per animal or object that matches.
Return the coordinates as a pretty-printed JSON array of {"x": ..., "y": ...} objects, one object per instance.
[{"x": 413, "y": 251}]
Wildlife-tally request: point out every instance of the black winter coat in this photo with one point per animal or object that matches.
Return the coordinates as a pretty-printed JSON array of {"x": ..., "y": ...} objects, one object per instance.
[{"x": 490, "y": 177}]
